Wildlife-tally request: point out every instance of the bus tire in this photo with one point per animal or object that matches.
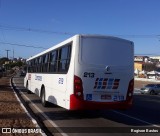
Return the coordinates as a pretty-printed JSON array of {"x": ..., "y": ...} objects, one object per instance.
[
  {"x": 43, "y": 98},
  {"x": 28, "y": 91}
]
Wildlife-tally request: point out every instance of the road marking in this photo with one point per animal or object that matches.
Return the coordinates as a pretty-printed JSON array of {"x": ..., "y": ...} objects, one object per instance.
[
  {"x": 41, "y": 112},
  {"x": 29, "y": 115},
  {"x": 44, "y": 115},
  {"x": 140, "y": 120}
]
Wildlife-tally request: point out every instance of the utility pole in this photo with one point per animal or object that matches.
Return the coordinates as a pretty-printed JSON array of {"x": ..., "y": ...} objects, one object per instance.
[
  {"x": 7, "y": 53},
  {"x": 13, "y": 53}
]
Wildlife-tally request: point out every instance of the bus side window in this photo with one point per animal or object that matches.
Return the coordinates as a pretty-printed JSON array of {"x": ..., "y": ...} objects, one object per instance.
[
  {"x": 35, "y": 67},
  {"x": 64, "y": 59},
  {"x": 53, "y": 61},
  {"x": 45, "y": 63}
]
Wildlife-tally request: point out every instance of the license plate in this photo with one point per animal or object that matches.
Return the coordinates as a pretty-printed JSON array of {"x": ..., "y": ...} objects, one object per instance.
[{"x": 106, "y": 97}]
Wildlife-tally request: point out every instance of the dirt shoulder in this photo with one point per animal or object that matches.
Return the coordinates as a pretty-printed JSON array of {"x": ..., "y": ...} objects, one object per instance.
[{"x": 12, "y": 115}]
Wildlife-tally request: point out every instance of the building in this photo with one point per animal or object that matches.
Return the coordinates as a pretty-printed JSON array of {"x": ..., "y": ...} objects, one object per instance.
[
  {"x": 144, "y": 66},
  {"x": 156, "y": 58},
  {"x": 145, "y": 63},
  {"x": 141, "y": 59},
  {"x": 138, "y": 66},
  {"x": 146, "y": 59}
]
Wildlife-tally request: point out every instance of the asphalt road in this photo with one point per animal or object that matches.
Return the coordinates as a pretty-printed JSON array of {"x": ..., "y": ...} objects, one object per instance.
[{"x": 144, "y": 114}]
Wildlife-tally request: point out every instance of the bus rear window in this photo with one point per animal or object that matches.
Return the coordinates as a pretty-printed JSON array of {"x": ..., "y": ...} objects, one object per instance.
[{"x": 100, "y": 51}]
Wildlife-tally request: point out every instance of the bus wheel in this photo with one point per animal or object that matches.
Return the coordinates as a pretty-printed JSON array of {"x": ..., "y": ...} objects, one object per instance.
[
  {"x": 28, "y": 91},
  {"x": 43, "y": 99}
]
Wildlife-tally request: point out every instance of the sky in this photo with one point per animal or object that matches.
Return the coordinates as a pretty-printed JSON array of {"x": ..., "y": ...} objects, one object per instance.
[{"x": 28, "y": 27}]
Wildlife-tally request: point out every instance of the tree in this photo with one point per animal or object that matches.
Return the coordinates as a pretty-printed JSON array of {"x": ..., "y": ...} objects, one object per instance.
[{"x": 3, "y": 60}]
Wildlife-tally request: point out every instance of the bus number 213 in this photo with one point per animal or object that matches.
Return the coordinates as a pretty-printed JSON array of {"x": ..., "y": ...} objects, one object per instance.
[{"x": 88, "y": 74}]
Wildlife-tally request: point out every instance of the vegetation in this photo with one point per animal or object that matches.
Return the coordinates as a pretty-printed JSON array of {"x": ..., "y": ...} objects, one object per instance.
[
  {"x": 10, "y": 64},
  {"x": 3, "y": 60}
]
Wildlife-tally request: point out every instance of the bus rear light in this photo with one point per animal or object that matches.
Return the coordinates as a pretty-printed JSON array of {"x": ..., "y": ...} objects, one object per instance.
[
  {"x": 130, "y": 90},
  {"x": 78, "y": 93},
  {"x": 78, "y": 87}
]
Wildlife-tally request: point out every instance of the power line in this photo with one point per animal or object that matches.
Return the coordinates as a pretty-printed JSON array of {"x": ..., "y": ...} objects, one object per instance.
[
  {"x": 14, "y": 28},
  {"x": 15, "y": 44},
  {"x": 5, "y": 27},
  {"x": 30, "y": 46}
]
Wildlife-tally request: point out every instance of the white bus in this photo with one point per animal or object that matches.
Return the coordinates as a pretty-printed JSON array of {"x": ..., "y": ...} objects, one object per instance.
[{"x": 84, "y": 72}]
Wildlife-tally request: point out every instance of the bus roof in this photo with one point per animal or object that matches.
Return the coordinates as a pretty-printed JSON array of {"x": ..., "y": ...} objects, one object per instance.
[{"x": 71, "y": 39}]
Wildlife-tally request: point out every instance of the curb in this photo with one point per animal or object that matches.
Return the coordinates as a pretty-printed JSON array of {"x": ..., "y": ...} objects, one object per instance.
[{"x": 27, "y": 109}]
